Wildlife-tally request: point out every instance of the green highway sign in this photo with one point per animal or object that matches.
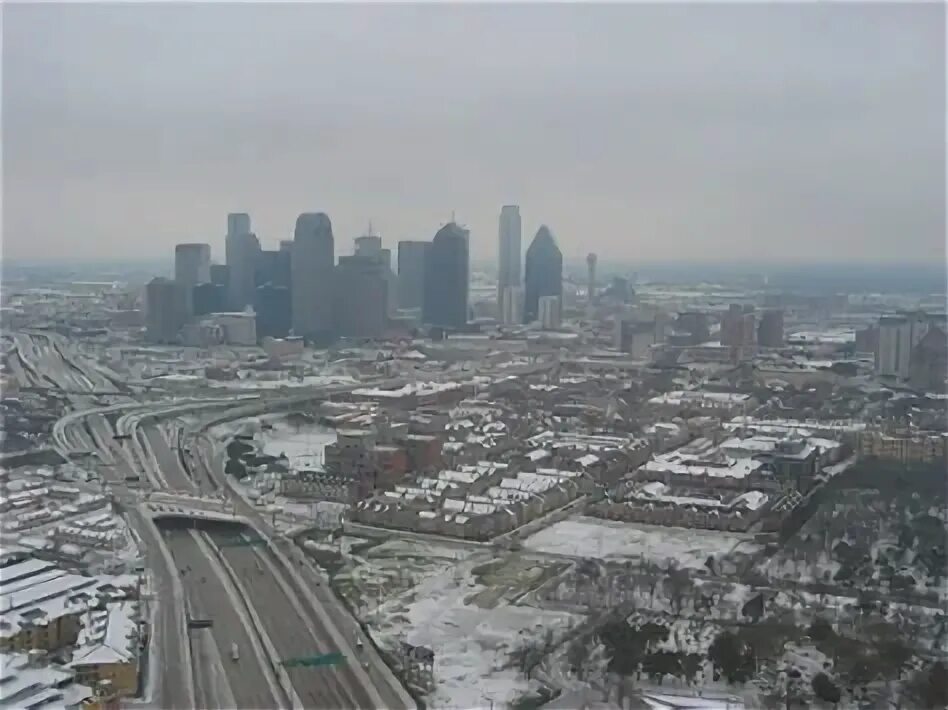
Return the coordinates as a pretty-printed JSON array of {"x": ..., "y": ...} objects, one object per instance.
[{"x": 327, "y": 659}]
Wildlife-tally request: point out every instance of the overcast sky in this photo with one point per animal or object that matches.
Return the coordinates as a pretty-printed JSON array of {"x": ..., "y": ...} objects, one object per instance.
[{"x": 748, "y": 132}]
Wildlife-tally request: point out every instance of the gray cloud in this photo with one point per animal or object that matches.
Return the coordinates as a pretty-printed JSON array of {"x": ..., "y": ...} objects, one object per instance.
[{"x": 644, "y": 132}]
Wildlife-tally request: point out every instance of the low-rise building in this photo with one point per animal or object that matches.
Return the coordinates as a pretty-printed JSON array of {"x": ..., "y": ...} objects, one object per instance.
[
  {"x": 43, "y": 604},
  {"x": 30, "y": 680},
  {"x": 722, "y": 404},
  {"x": 905, "y": 446},
  {"x": 108, "y": 648}
]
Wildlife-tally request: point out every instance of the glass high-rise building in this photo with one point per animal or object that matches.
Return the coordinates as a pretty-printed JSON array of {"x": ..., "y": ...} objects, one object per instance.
[
  {"x": 446, "y": 278},
  {"x": 508, "y": 252},
  {"x": 411, "y": 273},
  {"x": 312, "y": 277},
  {"x": 543, "y": 273}
]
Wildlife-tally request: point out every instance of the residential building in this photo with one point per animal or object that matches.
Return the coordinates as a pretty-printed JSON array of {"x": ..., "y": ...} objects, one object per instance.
[
  {"x": 45, "y": 605},
  {"x": 543, "y": 274},
  {"x": 903, "y": 446},
  {"x": 411, "y": 273},
  {"x": 107, "y": 648},
  {"x": 508, "y": 252},
  {"x": 32, "y": 681},
  {"x": 313, "y": 265},
  {"x": 446, "y": 278}
]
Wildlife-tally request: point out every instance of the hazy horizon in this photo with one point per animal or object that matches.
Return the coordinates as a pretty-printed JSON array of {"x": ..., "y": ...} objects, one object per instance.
[{"x": 708, "y": 133}]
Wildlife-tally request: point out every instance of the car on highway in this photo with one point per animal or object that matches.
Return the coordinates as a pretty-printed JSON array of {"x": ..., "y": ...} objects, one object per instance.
[{"x": 234, "y": 652}]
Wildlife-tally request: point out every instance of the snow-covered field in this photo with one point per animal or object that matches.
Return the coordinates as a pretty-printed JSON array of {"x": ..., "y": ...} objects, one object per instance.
[
  {"x": 606, "y": 539},
  {"x": 471, "y": 644}
]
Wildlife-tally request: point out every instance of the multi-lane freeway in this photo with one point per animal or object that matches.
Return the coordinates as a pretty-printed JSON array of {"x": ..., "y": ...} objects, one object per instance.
[
  {"x": 209, "y": 595},
  {"x": 267, "y": 599}
]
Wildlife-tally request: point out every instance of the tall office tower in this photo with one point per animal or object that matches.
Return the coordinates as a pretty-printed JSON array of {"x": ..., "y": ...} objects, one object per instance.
[
  {"x": 241, "y": 247},
  {"x": 513, "y": 305},
  {"x": 732, "y": 326},
  {"x": 192, "y": 264},
  {"x": 591, "y": 260},
  {"x": 770, "y": 330},
  {"x": 411, "y": 273},
  {"x": 238, "y": 223},
  {"x": 898, "y": 336},
  {"x": 508, "y": 252},
  {"x": 543, "y": 275},
  {"x": 208, "y": 298},
  {"x": 550, "y": 308},
  {"x": 311, "y": 271},
  {"x": 361, "y": 298},
  {"x": 220, "y": 275},
  {"x": 165, "y": 310},
  {"x": 748, "y": 326},
  {"x": 446, "y": 278},
  {"x": 273, "y": 267},
  {"x": 273, "y": 310},
  {"x": 368, "y": 245}
]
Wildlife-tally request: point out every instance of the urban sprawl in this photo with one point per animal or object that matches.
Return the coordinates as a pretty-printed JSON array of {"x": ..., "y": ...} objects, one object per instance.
[{"x": 393, "y": 479}]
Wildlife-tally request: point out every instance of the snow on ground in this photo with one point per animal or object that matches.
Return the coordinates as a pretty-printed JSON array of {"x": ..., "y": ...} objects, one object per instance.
[
  {"x": 471, "y": 644},
  {"x": 303, "y": 446},
  {"x": 606, "y": 539},
  {"x": 307, "y": 381}
]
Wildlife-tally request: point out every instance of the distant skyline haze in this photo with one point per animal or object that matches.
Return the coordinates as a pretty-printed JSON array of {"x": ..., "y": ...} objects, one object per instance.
[{"x": 642, "y": 132}]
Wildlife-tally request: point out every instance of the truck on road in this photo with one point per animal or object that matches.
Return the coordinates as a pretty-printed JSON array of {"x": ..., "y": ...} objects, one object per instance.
[{"x": 234, "y": 652}]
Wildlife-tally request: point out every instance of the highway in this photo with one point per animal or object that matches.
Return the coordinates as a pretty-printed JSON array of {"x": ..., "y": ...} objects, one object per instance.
[
  {"x": 294, "y": 631},
  {"x": 207, "y": 594},
  {"x": 274, "y": 608}
]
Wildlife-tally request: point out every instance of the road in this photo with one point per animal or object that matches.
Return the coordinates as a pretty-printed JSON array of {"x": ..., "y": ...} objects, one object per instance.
[
  {"x": 171, "y": 684},
  {"x": 293, "y": 631},
  {"x": 272, "y": 616},
  {"x": 207, "y": 596},
  {"x": 368, "y": 682}
]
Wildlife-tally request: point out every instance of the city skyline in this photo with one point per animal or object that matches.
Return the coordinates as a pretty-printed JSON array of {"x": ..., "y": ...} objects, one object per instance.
[{"x": 727, "y": 133}]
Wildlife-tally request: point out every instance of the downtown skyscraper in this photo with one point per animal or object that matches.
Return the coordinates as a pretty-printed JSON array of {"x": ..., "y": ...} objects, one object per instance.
[
  {"x": 241, "y": 249},
  {"x": 508, "y": 252},
  {"x": 312, "y": 277},
  {"x": 446, "y": 278},
  {"x": 543, "y": 273}
]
